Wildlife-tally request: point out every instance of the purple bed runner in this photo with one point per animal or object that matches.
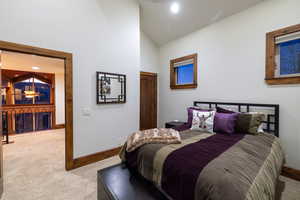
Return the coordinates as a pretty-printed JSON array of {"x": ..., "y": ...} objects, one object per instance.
[{"x": 183, "y": 166}]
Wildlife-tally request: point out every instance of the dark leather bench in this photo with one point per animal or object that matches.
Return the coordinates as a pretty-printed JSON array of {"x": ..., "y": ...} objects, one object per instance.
[{"x": 117, "y": 182}]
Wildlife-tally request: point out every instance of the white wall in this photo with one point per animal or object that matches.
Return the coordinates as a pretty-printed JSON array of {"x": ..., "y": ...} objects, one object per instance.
[
  {"x": 103, "y": 35},
  {"x": 60, "y": 98},
  {"x": 231, "y": 57},
  {"x": 149, "y": 54}
]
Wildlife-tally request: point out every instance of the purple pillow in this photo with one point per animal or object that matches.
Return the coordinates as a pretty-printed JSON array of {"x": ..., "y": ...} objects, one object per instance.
[
  {"x": 190, "y": 114},
  {"x": 223, "y": 110},
  {"x": 225, "y": 122}
]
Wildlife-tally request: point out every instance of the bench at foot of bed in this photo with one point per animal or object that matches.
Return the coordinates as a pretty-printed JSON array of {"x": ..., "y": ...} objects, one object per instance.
[{"x": 117, "y": 182}]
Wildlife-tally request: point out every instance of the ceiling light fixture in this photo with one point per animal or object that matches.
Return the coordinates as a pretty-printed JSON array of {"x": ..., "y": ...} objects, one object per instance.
[
  {"x": 35, "y": 68},
  {"x": 175, "y": 7}
]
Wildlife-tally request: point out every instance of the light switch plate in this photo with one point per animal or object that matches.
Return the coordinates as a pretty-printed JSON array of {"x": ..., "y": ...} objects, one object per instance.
[{"x": 86, "y": 111}]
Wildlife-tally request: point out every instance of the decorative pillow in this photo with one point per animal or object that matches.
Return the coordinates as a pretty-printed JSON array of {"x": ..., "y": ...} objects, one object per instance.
[
  {"x": 156, "y": 135},
  {"x": 249, "y": 123},
  {"x": 203, "y": 120},
  {"x": 223, "y": 110},
  {"x": 190, "y": 114},
  {"x": 242, "y": 120},
  {"x": 225, "y": 122}
]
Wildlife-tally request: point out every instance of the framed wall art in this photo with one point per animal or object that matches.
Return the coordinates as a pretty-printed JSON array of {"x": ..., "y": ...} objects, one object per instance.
[{"x": 111, "y": 88}]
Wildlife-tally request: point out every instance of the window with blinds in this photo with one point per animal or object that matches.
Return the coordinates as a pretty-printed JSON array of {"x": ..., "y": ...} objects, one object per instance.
[
  {"x": 288, "y": 55},
  {"x": 283, "y": 56},
  {"x": 183, "y": 72}
]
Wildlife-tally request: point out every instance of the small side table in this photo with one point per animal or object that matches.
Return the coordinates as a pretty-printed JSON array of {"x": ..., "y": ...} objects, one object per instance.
[{"x": 174, "y": 124}]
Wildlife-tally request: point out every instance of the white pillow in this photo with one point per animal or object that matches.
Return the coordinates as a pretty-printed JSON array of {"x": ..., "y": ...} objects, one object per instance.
[{"x": 203, "y": 120}]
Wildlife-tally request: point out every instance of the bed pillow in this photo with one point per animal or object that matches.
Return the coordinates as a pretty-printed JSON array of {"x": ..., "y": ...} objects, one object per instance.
[
  {"x": 225, "y": 122},
  {"x": 223, "y": 110},
  {"x": 203, "y": 120},
  {"x": 190, "y": 114},
  {"x": 249, "y": 123},
  {"x": 156, "y": 135}
]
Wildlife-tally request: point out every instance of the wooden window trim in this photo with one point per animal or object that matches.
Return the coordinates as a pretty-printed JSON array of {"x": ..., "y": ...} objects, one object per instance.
[
  {"x": 270, "y": 57},
  {"x": 173, "y": 73}
]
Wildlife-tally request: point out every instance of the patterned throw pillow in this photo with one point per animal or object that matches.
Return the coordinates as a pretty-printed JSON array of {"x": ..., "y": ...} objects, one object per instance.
[
  {"x": 156, "y": 135},
  {"x": 249, "y": 123},
  {"x": 203, "y": 120},
  {"x": 190, "y": 114}
]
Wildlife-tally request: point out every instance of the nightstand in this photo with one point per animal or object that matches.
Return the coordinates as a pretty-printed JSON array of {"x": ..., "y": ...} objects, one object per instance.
[{"x": 174, "y": 124}]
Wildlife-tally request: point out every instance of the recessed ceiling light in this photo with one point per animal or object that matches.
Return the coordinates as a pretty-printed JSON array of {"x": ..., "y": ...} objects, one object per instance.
[
  {"x": 175, "y": 7},
  {"x": 35, "y": 68}
]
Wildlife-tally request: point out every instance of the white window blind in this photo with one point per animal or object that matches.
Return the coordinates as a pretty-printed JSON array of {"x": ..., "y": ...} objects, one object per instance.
[
  {"x": 186, "y": 62},
  {"x": 286, "y": 38}
]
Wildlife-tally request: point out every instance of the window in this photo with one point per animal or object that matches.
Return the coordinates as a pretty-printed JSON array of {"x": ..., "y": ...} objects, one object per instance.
[
  {"x": 288, "y": 58},
  {"x": 32, "y": 91},
  {"x": 183, "y": 72},
  {"x": 42, "y": 121},
  {"x": 24, "y": 122},
  {"x": 283, "y": 56}
]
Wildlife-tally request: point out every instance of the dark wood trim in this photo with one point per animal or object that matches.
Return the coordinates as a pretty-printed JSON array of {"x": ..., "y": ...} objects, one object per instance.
[
  {"x": 59, "y": 126},
  {"x": 30, "y": 75},
  {"x": 148, "y": 74},
  {"x": 85, "y": 160},
  {"x": 281, "y": 81},
  {"x": 270, "y": 57},
  {"x": 68, "y": 57},
  {"x": 7, "y": 140},
  {"x": 291, "y": 173},
  {"x": 187, "y": 86},
  {"x": 173, "y": 84},
  {"x": 52, "y": 100},
  {"x": 6, "y": 106}
]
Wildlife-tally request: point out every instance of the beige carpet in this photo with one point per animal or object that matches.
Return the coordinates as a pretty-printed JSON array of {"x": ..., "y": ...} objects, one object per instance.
[{"x": 34, "y": 170}]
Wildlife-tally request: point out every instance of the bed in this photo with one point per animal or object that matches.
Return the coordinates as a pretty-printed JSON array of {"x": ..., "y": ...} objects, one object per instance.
[{"x": 215, "y": 166}]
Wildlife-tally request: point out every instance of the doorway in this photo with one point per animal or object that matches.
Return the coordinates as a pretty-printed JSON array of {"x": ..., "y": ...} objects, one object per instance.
[
  {"x": 68, "y": 82},
  {"x": 148, "y": 100}
]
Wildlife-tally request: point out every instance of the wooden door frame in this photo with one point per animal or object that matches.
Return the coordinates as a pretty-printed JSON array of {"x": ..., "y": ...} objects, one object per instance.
[
  {"x": 142, "y": 73},
  {"x": 1, "y": 143},
  {"x": 68, "y": 57}
]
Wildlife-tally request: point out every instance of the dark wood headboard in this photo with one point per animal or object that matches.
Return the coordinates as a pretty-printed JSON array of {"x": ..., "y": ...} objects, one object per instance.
[{"x": 272, "y": 119}]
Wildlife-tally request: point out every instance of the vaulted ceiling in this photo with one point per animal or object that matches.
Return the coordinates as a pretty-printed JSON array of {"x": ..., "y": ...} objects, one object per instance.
[{"x": 163, "y": 26}]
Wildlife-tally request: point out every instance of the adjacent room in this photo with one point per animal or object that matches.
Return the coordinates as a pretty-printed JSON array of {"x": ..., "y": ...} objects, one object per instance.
[
  {"x": 150, "y": 100},
  {"x": 33, "y": 113}
]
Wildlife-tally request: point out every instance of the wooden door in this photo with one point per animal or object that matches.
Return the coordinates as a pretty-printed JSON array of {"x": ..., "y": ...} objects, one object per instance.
[
  {"x": 1, "y": 151},
  {"x": 148, "y": 100}
]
